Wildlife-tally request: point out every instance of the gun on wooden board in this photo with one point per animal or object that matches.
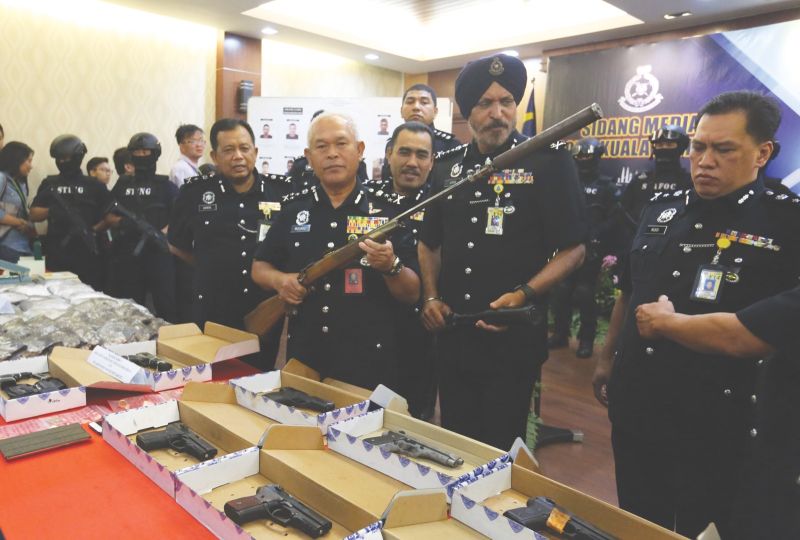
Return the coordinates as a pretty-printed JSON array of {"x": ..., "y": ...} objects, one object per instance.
[
  {"x": 274, "y": 503},
  {"x": 544, "y": 515},
  {"x": 293, "y": 397},
  {"x": 400, "y": 443},
  {"x": 270, "y": 311}
]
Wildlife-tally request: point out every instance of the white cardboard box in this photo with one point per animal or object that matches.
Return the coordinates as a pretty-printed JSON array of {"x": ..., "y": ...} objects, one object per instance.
[
  {"x": 251, "y": 393},
  {"x": 346, "y": 438},
  {"x": 50, "y": 402}
]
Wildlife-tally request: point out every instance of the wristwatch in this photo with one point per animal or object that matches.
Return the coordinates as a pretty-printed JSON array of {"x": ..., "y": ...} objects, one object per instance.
[
  {"x": 527, "y": 290},
  {"x": 397, "y": 267}
]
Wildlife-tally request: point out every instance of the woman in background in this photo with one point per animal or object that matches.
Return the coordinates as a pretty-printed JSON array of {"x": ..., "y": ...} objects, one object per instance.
[{"x": 16, "y": 230}]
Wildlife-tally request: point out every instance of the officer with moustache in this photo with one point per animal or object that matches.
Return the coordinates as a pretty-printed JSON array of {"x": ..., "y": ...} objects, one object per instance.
[
  {"x": 492, "y": 246},
  {"x": 345, "y": 328},
  {"x": 683, "y": 420},
  {"x": 580, "y": 287},
  {"x": 74, "y": 206},
  {"x": 410, "y": 159},
  {"x": 149, "y": 196},
  {"x": 216, "y": 224}
]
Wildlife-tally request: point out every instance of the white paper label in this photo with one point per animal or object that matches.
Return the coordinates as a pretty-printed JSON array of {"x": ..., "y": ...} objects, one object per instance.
[{"x": 116, "y": 366}]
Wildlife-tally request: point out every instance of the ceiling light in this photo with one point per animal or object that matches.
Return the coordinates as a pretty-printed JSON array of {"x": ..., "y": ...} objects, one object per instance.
[
  {"x": 677, "y": 15},
  {"x": 269, "y": 31},
  {"x": 510, "y": 52},
  {"x": 371, "y": 56}
]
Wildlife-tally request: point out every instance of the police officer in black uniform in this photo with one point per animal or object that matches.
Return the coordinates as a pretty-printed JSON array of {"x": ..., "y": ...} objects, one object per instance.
[
  {"x": 149, "y": 196},
  {"x": 216, "y": 224},
  {"x": 345, "y": 328},
  {"x": 410, "y": 160},
  {"x": 667, "y": 176},
  {"x": 769, "y": 494},
  {"x": 602, "y": 196},
  {"x": 681, "y": 420},
  {"x": 74, "y": 206},
  {"x": 488, "y": 247}
]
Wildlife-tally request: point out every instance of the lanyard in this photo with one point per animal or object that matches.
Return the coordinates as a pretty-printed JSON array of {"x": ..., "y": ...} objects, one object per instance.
[{"x": 21, "y": 194}]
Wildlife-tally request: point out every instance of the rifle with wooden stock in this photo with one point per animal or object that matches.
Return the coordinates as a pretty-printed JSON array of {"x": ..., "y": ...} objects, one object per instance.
[{"x": 270, "y": 311}]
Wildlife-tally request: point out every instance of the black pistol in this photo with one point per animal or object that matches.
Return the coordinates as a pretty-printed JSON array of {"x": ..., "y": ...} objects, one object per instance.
[
  {"x": 400, "y": 443},
  {"x": 272, "y": 502},
  {"x": 147, "y": 360},
  {"x": 543, "y": 515},
  {"x": 519, "y": 316},
  {"x": 292, "y": 397},
  {"x": 10, "y": 385},
  {"x": 178, "y": 437}
]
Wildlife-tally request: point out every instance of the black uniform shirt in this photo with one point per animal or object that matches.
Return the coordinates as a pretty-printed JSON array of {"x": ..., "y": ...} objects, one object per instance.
[
  {"x": 659, "y": 385},
  {"x": 662, "y": 179},
  {"x": 444, "y": 141},
  {"x": 148, "y": 196},
  {"x": 601, "y": 195},
  {"x": 345, "y": 328},
  {"x": 86, "y": 196},
  {"x": 221, "y": 228}
]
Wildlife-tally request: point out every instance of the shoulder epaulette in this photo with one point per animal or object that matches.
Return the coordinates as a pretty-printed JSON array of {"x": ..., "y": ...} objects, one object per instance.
[
  {"x": 443, "y": 134},
  {"x": 782, "y": 197},
  {"x": 446, "y": 153},
  {"x": 198, "y": 178},
  {"x": 300, "y": 195},
  {"x": 277, "y": 178},
  {"x": 668, "y": 195},
  {"x": 558, "y": 145},
  {"x": 380, "y": 192}
]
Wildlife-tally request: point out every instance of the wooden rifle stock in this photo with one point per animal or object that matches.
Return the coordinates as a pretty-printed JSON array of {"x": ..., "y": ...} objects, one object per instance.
[{"x": 270, "y": 311}]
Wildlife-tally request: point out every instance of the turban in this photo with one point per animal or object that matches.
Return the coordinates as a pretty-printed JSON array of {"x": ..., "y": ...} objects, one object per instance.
[{"x": 478, "y": 75}]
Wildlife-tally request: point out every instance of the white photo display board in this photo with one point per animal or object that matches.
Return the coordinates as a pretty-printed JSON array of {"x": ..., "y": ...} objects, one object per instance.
[{"x": 281, "y": 126}]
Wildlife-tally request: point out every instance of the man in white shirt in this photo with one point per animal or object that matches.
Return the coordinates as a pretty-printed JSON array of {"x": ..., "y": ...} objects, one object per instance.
[{"x": 192, "y": 143}]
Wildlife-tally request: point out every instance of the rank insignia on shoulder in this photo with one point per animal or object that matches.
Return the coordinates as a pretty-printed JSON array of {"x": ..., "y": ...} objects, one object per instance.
[
  {"x": 558, "y": 144},
  {"x": 363, "y": 224},
  {"x": 512, "y": 176}
]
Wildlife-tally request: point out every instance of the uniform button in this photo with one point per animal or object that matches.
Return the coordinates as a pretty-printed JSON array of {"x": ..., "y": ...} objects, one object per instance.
[
  {"x": 644, "y": 247},
  {"x": 241, "y": 205},
  {"x": 760, "y": 362},
  {"x": 687, "y": 249},
  {"x": 470, "y": 245},
  {"x": 241, "y": 221},
  {"x": 650, "y": 351},
  {"x": 325, "y": 309},
  {"x": 297, "y": 244},
  {"x": 468, "y": 270},
  {"x": 245, "y": 290},
  {"x": 327, "y": 287},
  {"x": 244, "y": 272},
  {"x": 414, "y": 231},
  {"x": 798, "y": 481},
  {"x": 753, "y": 432},
  {"x": 244, "y": 237},
  {"x": 727, "y": 392},
  {"x": 334, "y": 224},
  {"x": 378, "y": 346},
  {"x": 416, "y": 310},
  {"x": 753, "y": 398},
  {"x": 676, "y": 274},
  {"x": 199, "y": 296},
  {"x": 698, "y": 226},
  {"x": 477, "y": 193},
  {"x": 330, "y": 244},
  {"x": 467, "y": 296},
  {"x": 737, "y": 260},
  {"x": 324, "y": 329},
  {"x": 474, "y": 220},
  {"x": 244, "y": 254},
  {"x": 449, "y": 197},
  {"x": 206, "y": 222}
]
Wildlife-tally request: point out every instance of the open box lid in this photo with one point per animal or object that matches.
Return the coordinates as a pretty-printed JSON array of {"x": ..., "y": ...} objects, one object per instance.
[
  {"x": 71, "y": 366},
  {"x": 187, "y": 344}
]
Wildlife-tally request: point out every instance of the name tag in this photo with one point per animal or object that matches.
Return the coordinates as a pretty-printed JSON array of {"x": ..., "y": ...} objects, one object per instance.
[
  {"x": 207, "y": 208},
  {"x": 652, "y": 230}
]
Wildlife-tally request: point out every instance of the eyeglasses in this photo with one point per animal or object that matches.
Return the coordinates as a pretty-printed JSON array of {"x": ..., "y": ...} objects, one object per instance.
[{"x": 194, "y": 141}]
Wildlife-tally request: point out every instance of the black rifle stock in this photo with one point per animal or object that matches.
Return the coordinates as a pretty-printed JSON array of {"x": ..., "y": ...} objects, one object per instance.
[
  {"x": 520, "y": 316},
  {"x": 544, "y": 515},
  {"x": 272, "y": 310},
  {"x": 272, "y": 502},
  {"x": 147, "y": 231},
  {"x": 77, "y": 226},
  {"x": 178, "y": 437}
]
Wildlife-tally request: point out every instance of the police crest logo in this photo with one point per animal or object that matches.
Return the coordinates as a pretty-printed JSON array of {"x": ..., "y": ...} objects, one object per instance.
[
  {"x": 209, "y": 197},
  {"x": 496, "y": 67},
  {"x": 456, "y": 170},
  {"x": 302, "y": 217},
  {"x": 641, "y": 91},
  {"x": 667, "y": 215}
]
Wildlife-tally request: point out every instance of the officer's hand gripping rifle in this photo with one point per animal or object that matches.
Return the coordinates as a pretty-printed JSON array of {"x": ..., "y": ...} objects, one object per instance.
[
  {"x": 147, "y": 231},
  {"x": 272, "y": 310}
]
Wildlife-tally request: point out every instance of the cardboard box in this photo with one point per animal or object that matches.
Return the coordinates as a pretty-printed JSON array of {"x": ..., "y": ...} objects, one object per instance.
[
  {"x": 480, "y": 501},
  {"x": 204, "y": 489},
  {"x": 346, "y": 438},
  {"x": 251, "y": 393},
  {"x": 73, "y": 365},
  {"x": 120, "y": 429},
  {"x": 49, "y": 402},
  {"x": 187, "y": 344}
]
